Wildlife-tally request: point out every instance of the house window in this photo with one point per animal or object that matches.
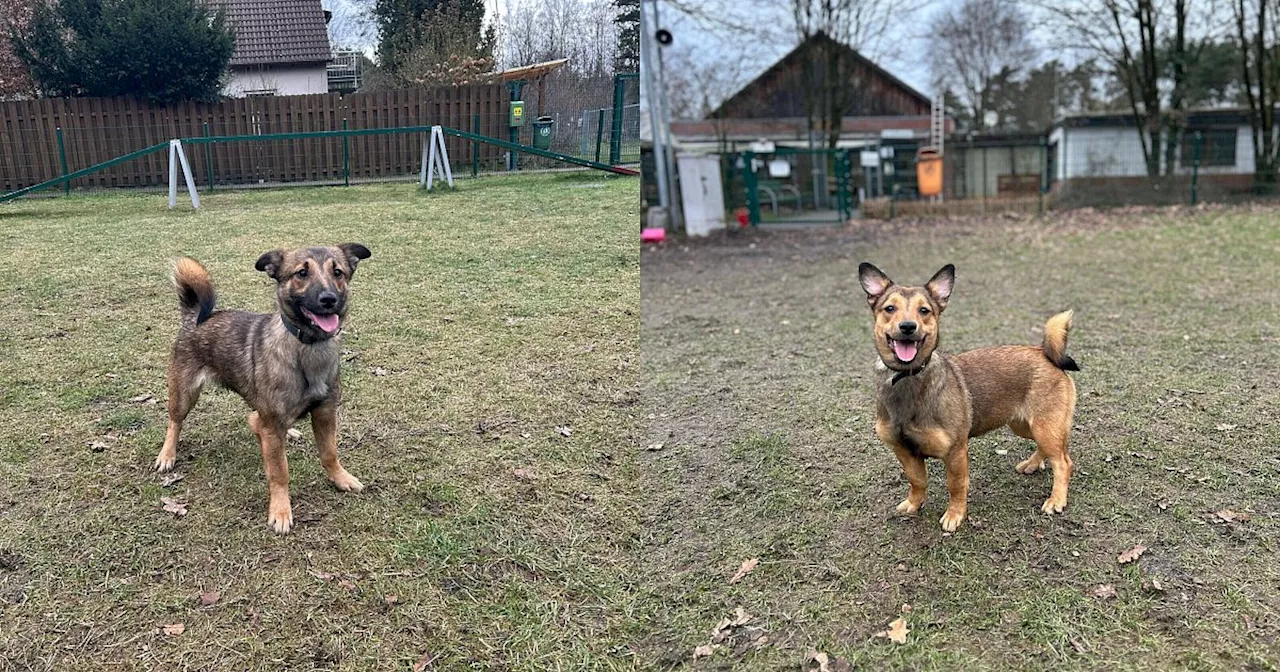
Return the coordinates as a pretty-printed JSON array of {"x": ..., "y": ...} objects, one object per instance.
[
  {"x": 259, "y": 93},
  {"x": 1217, "y": 146}
]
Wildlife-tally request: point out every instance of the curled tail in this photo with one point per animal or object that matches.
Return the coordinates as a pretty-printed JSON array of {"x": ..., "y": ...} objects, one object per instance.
[
  {"x": 1055, "y": 341},
  {"x": 195, "y": 291}
]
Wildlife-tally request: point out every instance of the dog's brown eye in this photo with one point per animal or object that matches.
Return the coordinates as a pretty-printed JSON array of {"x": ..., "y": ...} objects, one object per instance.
[
  {"x": 337, "y": 272},
  {"x": 924, "y": 310},
  {"x": 302, "y": 272},
  {"x": 890, "y": 309}
]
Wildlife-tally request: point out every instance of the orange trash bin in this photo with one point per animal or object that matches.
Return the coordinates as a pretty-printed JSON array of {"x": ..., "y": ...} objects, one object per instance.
[{"x": 929, "y": 171}]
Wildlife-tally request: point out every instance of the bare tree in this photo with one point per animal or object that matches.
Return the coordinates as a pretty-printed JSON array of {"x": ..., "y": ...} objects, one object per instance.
[
  {"x": 1258, "y": 32},
  {"x": 15, "y": 77},
  {"x": 1145, "y": 43},
  {"x": 583, "y": 31},
  {"x": 975, "y": 45},
  {"x": 836, "y": 27}
]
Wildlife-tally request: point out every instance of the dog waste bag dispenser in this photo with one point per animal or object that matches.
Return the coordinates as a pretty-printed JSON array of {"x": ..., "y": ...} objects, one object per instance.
[
  {"x": 517, "y": 113},
  {"x": 929, "y": 171}
]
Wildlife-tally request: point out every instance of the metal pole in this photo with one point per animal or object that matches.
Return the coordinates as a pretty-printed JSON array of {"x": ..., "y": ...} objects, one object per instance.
[
  {"x": 600, "y": 135},
  {"x": 346, "y": 156},
  {"x": 475, "y": 146},
  {"x": 984, "y": 180},
  {"x": 1044, "y": 177},
  {"x": 659, "y": 144},
  {"x": 62, "y": 155},
  {"x": 1195, "y": 168},
  {"x": 674, "y": 213},
  {"x": 208, "y": 156},
  {"x": 749, "y": 182}
]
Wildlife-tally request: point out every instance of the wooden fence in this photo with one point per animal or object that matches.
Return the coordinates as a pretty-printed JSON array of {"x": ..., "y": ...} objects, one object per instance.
[{"x": 99, "y": 129}]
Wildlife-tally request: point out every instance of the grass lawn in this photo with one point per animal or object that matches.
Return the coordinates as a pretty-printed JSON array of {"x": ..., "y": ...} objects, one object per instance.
[
  {"x": 758, "y": 376},
  {"x": 490, "y": 402}
]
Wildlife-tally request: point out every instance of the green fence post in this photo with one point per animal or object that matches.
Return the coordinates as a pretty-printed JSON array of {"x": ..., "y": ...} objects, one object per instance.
[
  {"x": 208, "y": 156},
  {"x": 1195, "y": 168},
  {"x": 615, "y": 138},
  {"x": 1044, "y": 177},
  {"x": 346, "y": 156},
  {"x": 62, "y": 155},
  {"x": 599, "y": 133},
  {"x": 749, "y": 181},
  {"x": 475, "y": 146}
]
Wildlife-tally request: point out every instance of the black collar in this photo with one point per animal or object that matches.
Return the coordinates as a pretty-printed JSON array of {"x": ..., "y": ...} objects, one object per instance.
[
  {"x": 292, "y": 328},
  {"x": 903, "y": 374}
]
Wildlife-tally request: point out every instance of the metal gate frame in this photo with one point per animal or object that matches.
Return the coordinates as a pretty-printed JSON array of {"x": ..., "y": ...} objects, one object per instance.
[{"x": 839, "y": 159}]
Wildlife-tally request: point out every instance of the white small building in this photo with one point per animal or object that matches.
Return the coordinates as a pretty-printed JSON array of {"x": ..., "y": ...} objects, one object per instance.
[
  {"x": 1109, "y": 146},
  {"x": 282, "y": 47}
]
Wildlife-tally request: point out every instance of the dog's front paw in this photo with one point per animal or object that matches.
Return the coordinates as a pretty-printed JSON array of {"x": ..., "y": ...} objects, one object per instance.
[
  {"x": 345, "y": 482},
  {"x": 280, "y": 516},
  {"x": 1053, "y": 505},
  {"x": 951, "y": 520},
  {"x": 907, "y": 507},
  {"x": 165, "y": 460}
]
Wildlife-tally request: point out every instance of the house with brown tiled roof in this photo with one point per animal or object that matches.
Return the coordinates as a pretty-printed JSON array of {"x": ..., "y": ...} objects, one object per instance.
[{"x": 282, "y": 47}]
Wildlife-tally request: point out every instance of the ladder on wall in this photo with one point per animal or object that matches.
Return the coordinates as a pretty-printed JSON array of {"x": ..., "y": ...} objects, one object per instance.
[{"x": 938, "y": 128}]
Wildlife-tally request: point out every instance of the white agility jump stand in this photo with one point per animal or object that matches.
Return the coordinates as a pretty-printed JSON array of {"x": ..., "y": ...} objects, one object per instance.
[
  {"x": 176, "y": 156},
  {"x": 435, "y": 157}
]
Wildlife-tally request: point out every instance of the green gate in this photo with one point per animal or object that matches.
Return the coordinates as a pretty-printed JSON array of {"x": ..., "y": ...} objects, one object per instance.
[{"x": 791, "y": 186}]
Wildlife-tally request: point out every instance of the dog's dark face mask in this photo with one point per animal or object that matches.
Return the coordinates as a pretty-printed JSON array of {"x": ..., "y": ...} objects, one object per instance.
[
  {"x": 312, "y": 285},
  {"x": 906, "y": 318}
]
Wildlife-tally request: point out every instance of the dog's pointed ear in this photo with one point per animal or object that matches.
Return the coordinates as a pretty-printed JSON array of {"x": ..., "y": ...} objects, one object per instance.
[
  {"x": 940, "y": 285},
  {"x": 270, "y": 263},
  {"x": 874, "y": 282},
  {"x": 355, "y": 252}
]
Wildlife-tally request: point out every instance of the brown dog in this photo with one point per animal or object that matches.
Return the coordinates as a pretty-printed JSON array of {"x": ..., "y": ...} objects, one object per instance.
[
  {"x": 930, "y": 404},
  {"x": 284, "y": 365}
]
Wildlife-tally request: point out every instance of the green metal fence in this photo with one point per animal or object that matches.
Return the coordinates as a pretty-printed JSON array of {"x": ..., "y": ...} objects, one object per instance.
[{"x": 790, "y": 186}]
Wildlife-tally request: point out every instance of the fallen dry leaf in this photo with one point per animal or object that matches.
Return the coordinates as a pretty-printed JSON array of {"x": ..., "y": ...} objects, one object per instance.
[
  {"x": 565, "y": 431},
  {"x": 391, "y": 600},
  {"x": 654, "y": 446},
  {"x": 1131, "y": 554},
  {"x": 294, "y": 433},
  {"x": 1229, "y": 516},
  {"x": 142, "y": 398},
  {"x": 1224, "y": 427},
  {"x": 423, "y": 662},
  {"x": 348, "y": 584},
  {"x": 97, "y": 446},
  {"x": 173, "y": 629},
  {"x": 721, "y": 631},
  {"x": 745, "y": 569},
  {"x": 897, "y": 632},
  {"x": 1002, "y": 452},
  {"x": 379, "y": 371},
  {"x": 210, "y": 598},
  {"x": 170, "y": 478},
  {"x": 523, "y": 473},
  {"x": 906, "y": 608},
  {"x": 826, "y": 663},
  {"x": 704, "y": 650},
  {"x": 1103, "y": 591},
  {"x": 173, "y": 506},
  {"x": 1155, "y": 585}
]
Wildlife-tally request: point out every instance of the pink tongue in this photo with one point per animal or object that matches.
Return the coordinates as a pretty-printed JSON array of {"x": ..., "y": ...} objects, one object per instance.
[
  {"x": 905, "y": 351},
  {"x": 329, "y": 323}
]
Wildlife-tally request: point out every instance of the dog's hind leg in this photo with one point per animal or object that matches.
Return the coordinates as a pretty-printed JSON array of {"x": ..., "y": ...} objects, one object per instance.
[
  {"x": 324, "y": 421},
  {"x": 184, "y": 390},
  {"x": 1051, "y": 443},
  {"x": 1034, "y": 461},
  {"x": 271, "y": 437}
]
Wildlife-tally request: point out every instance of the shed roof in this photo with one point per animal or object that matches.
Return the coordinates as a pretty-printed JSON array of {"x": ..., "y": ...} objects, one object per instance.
[{"x": 270, "y": 32}]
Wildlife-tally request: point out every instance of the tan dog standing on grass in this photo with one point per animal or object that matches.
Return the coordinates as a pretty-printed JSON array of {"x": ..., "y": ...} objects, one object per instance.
[
  {"x": 284, "y": 365},
  {"x": 930, "y": 404}
]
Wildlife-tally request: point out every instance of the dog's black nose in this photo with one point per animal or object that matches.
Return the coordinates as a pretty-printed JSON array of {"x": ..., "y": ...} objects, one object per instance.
[
  {"x": 907, "y": 328},
  {"x": 328, "y": 299}
]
